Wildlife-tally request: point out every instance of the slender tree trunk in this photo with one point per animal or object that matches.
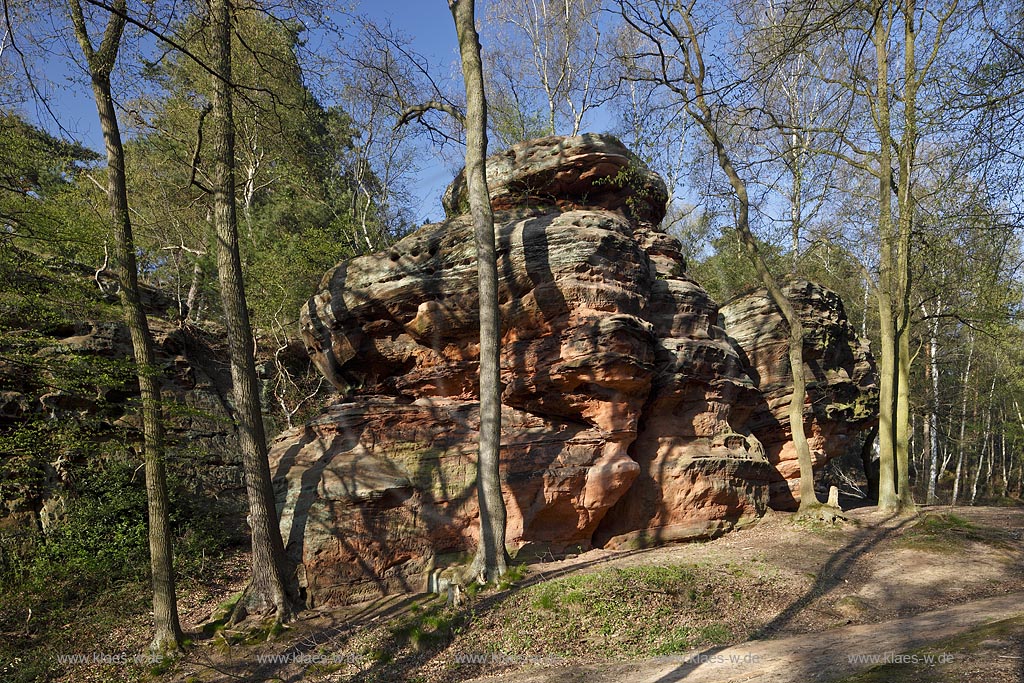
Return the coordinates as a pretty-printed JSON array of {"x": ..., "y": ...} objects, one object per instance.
[
  {"x": 1020, "y": 459},
  {"x": 963, "y": 422},
  {"x": 1003, "y": 469},
  {"x": 929, "y": 457},
  {"x": 700, "y": 111},
  {"x": 167, "y": 629},
  {"x": 796, "y": 200},
  {"x": 932, "y": 415},
  {"x": 808, "y": 498},
  {"x": 986, "y": 445},
  {"x": 956, "y": 477},
  {"x": 866, "y": 451},
  {"x": 269, "y": 590},
  {"x": 864, "y": 312},
  {"x": 905, "y": 201},
  {"x": 192, "y": 298},
  {"x": 491, "y": 559},
  {"x": 903, "y": 431},
  {"x": 887, "y": 499}
]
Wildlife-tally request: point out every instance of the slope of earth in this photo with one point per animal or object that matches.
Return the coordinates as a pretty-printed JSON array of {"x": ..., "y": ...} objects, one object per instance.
[{"x": 610, "y": 615}]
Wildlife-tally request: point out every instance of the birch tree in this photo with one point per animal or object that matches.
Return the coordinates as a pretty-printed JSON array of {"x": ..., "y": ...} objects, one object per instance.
[{"x": 546, "y": 68}]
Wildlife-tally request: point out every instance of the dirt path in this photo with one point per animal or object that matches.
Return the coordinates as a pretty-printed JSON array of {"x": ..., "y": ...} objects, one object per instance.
[{"x": 796, "y": 659}]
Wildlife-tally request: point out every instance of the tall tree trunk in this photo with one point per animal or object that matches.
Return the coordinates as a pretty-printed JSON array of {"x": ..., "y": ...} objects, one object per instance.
[
  {"x": 808, "y": 498},
  {"x": 905, "y": 201},
  {"x": 1003, "y": 470},
  {"x": 929, "y": 458},
  {"x": 887, "y": 499},
  {"x": 932, "y": 414},
  {"x": 167, "y": 635},
  {"x": 904, "y": 491},
  {"x": 986, "y": 445},
  {"x": 491, "y": 559},
  {"x": 700, "y": 111},
  {"x": 269, "y": 590},
  {"x": 963, "y": 422},
  {"x": 1020, "y": 459}
]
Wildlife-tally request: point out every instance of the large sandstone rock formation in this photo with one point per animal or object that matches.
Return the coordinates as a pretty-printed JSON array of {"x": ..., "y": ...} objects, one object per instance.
[{"x": 629, "y": 414}]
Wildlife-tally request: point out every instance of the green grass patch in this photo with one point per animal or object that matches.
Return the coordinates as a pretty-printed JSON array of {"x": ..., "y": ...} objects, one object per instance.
[
  {"x": 946, "y": 532},
  {"x": 627, "y": 612},
  {"x": 425, "y": 628}
]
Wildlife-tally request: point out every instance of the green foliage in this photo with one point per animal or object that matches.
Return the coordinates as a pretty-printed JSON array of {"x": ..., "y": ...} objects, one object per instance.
[
  {"x": 515, "y": 573},
  {"x": 426, "y": 629},
  {"x": 728, "y": 271},
  {"x": 306, "y": 198},
  {"x": 41, "y": 205},
  {"x": 92, "y": 569},
  {"x": 633, "y": 177},
  {"x": 44, "y": 294},
  {"x": 103, "y": 537}
]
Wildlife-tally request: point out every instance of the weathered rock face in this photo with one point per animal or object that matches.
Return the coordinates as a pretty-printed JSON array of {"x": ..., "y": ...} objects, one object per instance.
[
  {"x": 583, "y": 171},
  {"x": 842, "y": 396},
  {"x": 625, "y": 405},
  {"x": 196, "y": 386},
  {"x": 377, "y": 489}
]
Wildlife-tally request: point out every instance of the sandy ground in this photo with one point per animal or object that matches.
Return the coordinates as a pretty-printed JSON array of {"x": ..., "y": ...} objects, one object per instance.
[
  {"x": 862, "y": 578},
  {"x": 859, "y": 591}
]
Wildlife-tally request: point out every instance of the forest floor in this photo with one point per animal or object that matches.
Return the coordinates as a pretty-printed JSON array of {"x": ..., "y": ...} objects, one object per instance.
[{"x": 934, "y": 597}]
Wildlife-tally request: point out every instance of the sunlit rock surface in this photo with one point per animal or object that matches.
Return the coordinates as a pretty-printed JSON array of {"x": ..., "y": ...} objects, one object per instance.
[{"x": 629, "y": 416}]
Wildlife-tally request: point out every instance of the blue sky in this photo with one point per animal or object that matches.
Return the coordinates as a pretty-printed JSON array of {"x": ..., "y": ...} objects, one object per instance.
[{"x": 428, "y": 23}]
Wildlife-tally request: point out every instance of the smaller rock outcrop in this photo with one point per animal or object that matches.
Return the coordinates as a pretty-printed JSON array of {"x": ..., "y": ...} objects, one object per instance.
[
  {"x": 842, "y": 392},
  {"x": 73, "y": 366}
]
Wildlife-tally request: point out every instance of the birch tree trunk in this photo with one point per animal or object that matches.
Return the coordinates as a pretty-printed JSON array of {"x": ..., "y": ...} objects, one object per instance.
[
  {"x": 985, "y": 445},
  {"x": 963, "y": 422},
  {"x": 932, "y": 415}
]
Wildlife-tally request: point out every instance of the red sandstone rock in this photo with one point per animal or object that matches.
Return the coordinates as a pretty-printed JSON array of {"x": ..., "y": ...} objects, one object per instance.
[
  {"x": 628, "y": 412},
  {"x": 842, "y": 397},
  {"x": 376, "y": 490},
  {"x": 590, "y": 171}
]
